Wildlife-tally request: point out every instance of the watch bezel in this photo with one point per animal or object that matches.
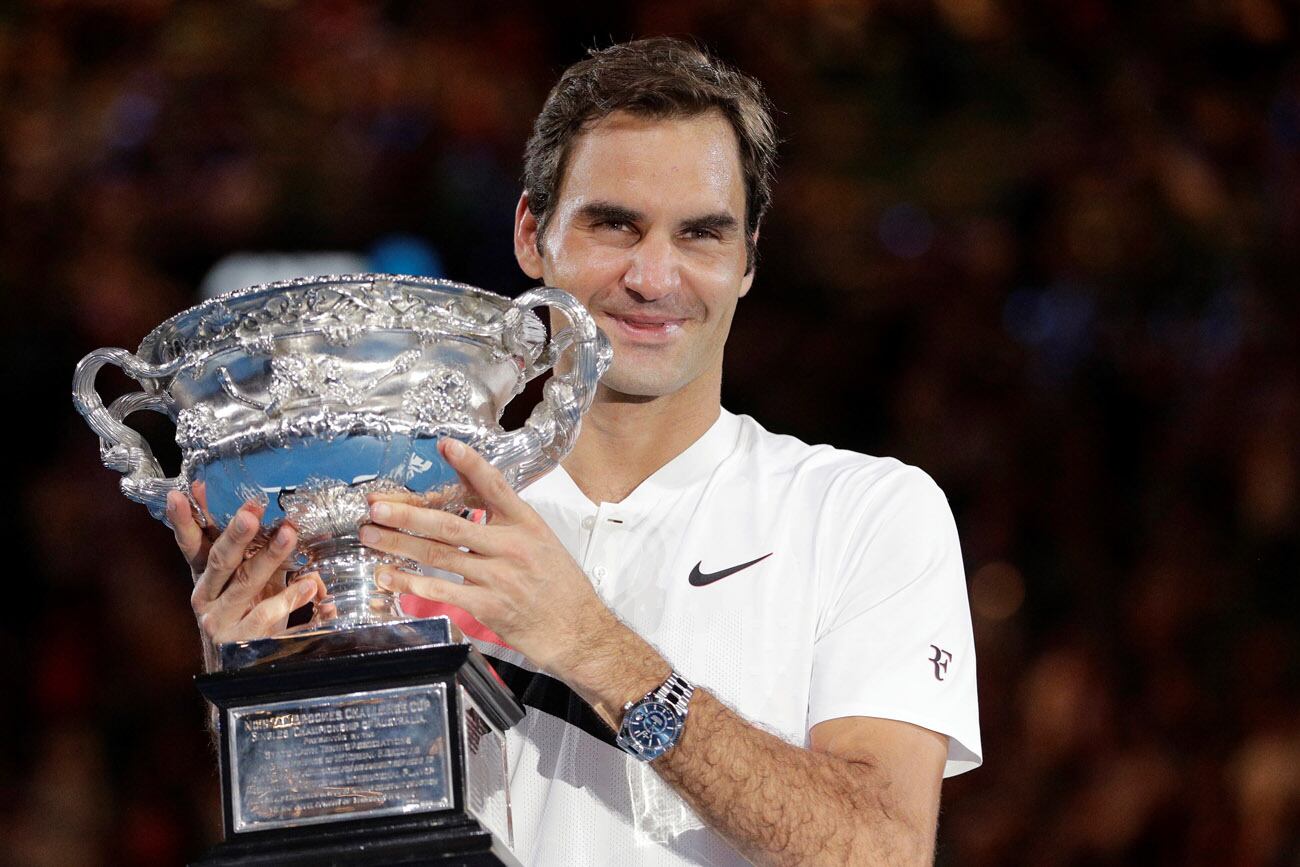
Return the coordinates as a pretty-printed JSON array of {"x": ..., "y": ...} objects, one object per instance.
[{"x": 634, "y": 721}]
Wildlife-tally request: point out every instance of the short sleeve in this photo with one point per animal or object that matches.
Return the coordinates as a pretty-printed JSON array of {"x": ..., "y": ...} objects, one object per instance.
[{"x": 894, "y": 635}]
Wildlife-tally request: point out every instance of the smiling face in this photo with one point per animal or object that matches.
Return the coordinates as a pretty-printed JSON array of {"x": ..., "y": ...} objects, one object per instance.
[{"x": 647, "y": 231}]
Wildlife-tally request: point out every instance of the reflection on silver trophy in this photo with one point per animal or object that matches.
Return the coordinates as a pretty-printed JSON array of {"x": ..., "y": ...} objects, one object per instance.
[{"x": 311, "y": 394}]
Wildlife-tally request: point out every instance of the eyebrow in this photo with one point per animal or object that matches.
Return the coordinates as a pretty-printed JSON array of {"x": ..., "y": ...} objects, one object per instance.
[
  {"x": 608, "y": 212},
  {"x": 718, "y": 222}
]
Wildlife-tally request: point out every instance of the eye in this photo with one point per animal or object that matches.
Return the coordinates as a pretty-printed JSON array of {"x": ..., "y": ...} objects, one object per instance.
[
  {"x": 703, "y": 234},
  {"x": 614, "y": 225}
]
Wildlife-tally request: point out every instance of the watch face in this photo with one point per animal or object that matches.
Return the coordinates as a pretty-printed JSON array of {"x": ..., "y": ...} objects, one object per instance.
[{"x": 651, "y": 728}]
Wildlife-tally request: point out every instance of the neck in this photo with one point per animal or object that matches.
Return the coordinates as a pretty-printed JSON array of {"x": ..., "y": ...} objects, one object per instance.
[{"x": 625, "y": 439}]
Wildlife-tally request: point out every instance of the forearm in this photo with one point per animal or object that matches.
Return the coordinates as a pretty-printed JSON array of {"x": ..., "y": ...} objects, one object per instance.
[
  {"x": 782, "y": 804},
  {"x": 774, "y": 802}
]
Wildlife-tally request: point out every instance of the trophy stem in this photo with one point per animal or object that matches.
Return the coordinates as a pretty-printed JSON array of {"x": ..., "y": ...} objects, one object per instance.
[{"x": 347, "y": 569}]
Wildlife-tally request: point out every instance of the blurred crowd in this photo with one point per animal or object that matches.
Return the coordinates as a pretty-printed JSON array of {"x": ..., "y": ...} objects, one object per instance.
[{"x": 1046, "y": 251}]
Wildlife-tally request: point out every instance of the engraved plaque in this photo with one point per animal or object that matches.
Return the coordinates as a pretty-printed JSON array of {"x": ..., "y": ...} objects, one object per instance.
[
  {"x": 339, "y": 757},
  {"x": 487, "y": 794}
]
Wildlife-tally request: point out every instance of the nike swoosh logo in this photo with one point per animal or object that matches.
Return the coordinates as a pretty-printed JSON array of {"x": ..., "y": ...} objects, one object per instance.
[{"x": 703, "y": 579}]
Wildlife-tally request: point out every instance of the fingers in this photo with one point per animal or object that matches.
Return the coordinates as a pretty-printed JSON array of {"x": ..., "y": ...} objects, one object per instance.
[
  {"x": 397, "y": 496},
  {"x": 314, "y": 577},
  {"x": 200, "y": 492},
  {"x": 229, "y": 575},
  {"x": 485, "y": 479},
  {"x": 435, "y": 524},
  {"x": 427, "y": 551},
  {"x": 190, "y": 537},
  {"x": 226, "y": 554},
  {"x": 465, "y": 596},
  {"x": 255, "y": 573},
  {"x": 268, "y": 616}
]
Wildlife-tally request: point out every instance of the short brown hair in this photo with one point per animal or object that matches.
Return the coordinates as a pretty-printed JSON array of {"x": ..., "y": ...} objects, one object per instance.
[{"x": 658, "y": 78}]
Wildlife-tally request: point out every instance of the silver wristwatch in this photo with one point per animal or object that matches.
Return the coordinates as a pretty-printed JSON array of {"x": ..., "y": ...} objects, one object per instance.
[{"x": 653, "y": 725}]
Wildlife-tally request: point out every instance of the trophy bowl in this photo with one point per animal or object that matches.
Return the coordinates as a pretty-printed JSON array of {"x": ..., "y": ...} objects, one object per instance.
[{"x": 309, "y": 395}]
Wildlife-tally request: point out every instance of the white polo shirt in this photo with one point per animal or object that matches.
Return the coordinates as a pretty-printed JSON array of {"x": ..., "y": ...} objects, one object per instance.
[{"x": 853, "y": 603}]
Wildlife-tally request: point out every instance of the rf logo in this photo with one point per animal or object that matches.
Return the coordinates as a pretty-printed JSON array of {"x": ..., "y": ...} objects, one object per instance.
[{"x": 940, "y": 659}]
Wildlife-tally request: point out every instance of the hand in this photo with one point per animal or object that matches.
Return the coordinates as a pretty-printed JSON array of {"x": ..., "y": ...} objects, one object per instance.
[
  {"x": 236, "y": 596},
  {"x": 520, "y": 581}
]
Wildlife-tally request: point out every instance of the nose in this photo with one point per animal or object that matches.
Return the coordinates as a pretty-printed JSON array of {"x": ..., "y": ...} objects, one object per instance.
[{"x": 653, "y": 271}]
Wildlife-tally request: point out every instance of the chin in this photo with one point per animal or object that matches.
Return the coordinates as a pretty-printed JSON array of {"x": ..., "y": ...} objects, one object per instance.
[{"x": 639, "y": 384}]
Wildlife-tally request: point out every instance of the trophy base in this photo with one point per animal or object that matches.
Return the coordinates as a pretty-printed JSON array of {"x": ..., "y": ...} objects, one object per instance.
[
  {"x": 449, "y": 844},
  {"x": 384, "y": 745}
]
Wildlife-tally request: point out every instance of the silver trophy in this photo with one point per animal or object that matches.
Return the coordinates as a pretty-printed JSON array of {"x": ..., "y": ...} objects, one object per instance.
[{"x": 311, "y": 395}]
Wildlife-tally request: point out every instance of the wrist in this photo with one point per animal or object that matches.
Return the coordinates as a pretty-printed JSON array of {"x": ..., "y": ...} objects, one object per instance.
[
  {"x": 211, "y": 660},
  {"x": 613, "y": 666}
]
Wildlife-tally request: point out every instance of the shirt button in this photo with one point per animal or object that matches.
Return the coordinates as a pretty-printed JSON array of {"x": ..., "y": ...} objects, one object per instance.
[
  {"x": 588, "y": 522},
  {"x": 599, "y": 573}
]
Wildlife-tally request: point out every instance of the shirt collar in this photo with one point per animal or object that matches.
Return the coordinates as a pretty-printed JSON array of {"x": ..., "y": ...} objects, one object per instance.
[{"x": 692, "y": 466}]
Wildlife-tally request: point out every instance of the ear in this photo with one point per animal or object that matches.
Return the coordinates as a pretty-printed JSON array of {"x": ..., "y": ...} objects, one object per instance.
[
  {"x": 526, "y": 228},
  {"x": 748, "y": 280}
]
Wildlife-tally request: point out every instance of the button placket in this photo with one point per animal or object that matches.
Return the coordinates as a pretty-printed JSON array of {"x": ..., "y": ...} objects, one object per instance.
[
  {"x": 587, "y": 543},
  {"x": 601, "y": 551}
]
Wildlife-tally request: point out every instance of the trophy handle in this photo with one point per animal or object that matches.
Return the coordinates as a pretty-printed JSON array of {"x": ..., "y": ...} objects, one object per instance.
[
  {"x": 580, "y": 354},
  {"x": 120, "y": 447}
]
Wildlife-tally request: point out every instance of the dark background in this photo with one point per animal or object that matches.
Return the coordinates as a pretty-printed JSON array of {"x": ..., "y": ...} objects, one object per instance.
[{"x": 1044, "y": 250}]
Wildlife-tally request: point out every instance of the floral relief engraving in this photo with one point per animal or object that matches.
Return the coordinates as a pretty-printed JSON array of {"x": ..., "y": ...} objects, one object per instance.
[
  {"x": 442, "y": 396},
  {"x": 328, "y": 378},
  {"x": 297, "y": 376},
  {"x": 197, "y": 427}
]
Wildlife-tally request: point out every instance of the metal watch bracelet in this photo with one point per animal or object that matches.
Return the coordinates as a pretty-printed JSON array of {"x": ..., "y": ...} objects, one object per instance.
[{"x": 676, "y": 692}]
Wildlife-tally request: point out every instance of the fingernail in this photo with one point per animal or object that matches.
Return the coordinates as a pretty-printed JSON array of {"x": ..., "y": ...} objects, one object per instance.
[
  {"x": 171, "y": 506},
  {"x": 281, "y": 538},
  {"x": 369, "y": 535},
  {"x": 306, "y": 588},
  {"x": 243, "y": 522},
  {"x": 454, "y": 448},
  {"x": 381, "y": 511},
  {"x": 384, "y": 579}
]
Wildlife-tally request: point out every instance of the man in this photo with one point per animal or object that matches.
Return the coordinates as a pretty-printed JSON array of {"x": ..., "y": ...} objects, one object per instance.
[{"x": 786, "y": 625}]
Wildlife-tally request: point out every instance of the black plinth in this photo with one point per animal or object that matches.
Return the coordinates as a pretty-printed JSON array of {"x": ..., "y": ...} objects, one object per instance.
[{"x": 363, "y": 756}]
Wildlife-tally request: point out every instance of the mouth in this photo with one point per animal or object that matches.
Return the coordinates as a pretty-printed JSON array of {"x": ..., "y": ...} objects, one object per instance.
[{"x": 647, "y": 328}]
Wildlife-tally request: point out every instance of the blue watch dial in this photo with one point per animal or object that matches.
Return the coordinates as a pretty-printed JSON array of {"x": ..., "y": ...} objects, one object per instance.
[{"x": 652, "y": 728}]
